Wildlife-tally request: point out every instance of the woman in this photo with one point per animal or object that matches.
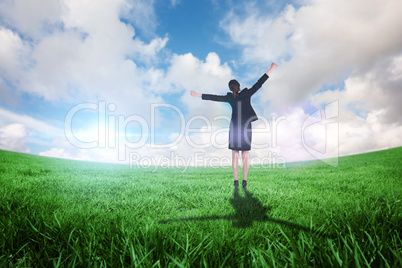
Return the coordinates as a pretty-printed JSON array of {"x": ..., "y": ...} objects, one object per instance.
[{"x": 243, "y": 114}]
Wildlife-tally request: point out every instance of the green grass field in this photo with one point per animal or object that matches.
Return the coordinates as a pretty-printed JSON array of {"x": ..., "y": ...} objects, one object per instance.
[{"x": 65, "y": 213}]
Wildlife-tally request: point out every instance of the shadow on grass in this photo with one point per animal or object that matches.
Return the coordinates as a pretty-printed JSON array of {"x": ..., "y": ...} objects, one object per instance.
[{"x": 248, "y": 209}]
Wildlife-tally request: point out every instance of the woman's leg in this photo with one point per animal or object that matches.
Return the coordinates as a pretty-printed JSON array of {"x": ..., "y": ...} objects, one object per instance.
[
  {"x": 235, "y": 163},
  {"x": 244, "y": 156}
]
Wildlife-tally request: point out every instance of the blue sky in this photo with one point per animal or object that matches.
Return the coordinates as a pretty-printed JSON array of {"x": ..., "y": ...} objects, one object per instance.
[{"x": 144, "y": 57}]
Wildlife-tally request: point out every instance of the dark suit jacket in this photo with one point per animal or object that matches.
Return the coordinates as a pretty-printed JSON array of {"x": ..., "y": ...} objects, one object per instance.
[{"x": 242, "y": 111}]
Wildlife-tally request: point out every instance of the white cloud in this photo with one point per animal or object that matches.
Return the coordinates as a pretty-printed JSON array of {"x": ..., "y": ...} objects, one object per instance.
[
  {"x": 262, "y": 38},
  {"x": 19, "y": 129},
  {"x": 13, "y": 138},
  {"x": 58, "y": 153},
  {"x": 370, "y": 109},
  {"x": 63, "y": 149},
  {"x": 187, "y": 73},
  {"x": 81, "y": 52},
  {"x": 31, "y": 17},
  {"x": 175, "y": 2},
  {"x": 34, "y": 125},
  {"x": 318, "y": 44},
  {"x": 85, "y": 51},
  {"x": 13, "y": 54},
  {"x": 324, "y": 43},
  {"x": 141, "y": 14}
]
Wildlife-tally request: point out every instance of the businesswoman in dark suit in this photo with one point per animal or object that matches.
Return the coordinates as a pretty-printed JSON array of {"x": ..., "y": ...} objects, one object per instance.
[{"x": 240, "y": 132}]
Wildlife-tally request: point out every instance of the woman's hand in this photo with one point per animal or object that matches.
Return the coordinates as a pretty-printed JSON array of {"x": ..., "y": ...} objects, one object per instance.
[
  {"x": 195, "y": 94},
  {"x": 273, "y": 66}
]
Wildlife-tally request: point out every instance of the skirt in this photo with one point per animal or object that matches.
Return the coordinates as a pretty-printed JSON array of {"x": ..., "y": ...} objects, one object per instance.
[{"x": 240, "y": 137}]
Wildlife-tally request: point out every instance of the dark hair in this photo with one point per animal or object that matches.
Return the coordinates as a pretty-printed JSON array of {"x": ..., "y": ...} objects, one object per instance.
[{"x": 234, "y": 86}]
